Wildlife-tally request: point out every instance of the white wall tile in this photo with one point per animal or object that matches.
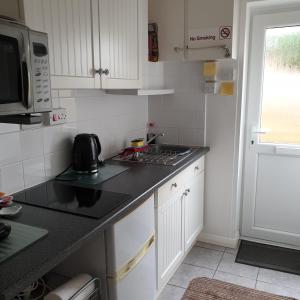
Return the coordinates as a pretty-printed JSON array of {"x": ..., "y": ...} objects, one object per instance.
[
  {"x": 171, "y": 135},
  {"x": 32, "y": 143},
  {"x": 34, "y": 171},
  {"x": 70, "y": 105},
  {"x": 191, "y": 136},
  {"x": 182, "y": 115},
  {"x": 10, "y": 150},
  {"x": 11, "y": 178},
  {"x": 54, "y": 93},
  {"x": 6, "y": 128},
  {"x": 43, "y": 152},
  {"x": 56, "y": 163},
  {"x": 59, "y": 138},
  {"x": 56, "y": 102}
]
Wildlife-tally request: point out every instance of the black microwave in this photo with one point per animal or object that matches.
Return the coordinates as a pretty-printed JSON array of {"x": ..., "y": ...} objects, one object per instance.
[{"x": 24, "y": 70}]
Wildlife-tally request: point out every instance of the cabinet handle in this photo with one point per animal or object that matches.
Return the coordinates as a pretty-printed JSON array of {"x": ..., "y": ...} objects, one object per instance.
[
  {"x": 174, "y": 185},
  {"x": 178, "y": 49},
  {"x": 188, "y": 190},
  {"x": 102, "y": 71},
  {"x": 197, "y": 168},
  {"x": 185, "y": 193}
]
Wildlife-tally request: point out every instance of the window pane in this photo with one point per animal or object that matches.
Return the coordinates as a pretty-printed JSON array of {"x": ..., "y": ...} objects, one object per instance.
[{"x": 280, "y": 111}]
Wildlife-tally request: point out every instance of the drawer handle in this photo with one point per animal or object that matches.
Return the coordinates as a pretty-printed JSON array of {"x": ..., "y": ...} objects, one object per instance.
[
  {"x": 188, "y": 190},
  {"x": 185, "y": 193},
  {"x": 174, "y": 185}
]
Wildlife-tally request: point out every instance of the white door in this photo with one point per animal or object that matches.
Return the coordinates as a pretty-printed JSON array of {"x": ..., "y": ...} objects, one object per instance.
[
  {"x": 122, "y": 36},
  {"x": 271, "y": 196},
  {"x": 73, "y": 33}
]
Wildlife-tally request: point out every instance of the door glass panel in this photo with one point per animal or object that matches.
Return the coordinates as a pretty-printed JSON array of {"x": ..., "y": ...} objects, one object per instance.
[
  {"x": 280, "y": 107},
  {"x": 10, "y": 71}
]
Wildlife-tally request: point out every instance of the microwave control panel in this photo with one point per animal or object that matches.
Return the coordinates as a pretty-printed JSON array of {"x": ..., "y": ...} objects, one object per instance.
[{"x": 41, "y": 88}]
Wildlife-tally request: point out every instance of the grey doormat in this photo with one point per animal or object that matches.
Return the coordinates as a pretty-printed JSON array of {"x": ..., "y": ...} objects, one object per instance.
[
  {"x": 20, "y": 237},
  {"x": 212, "y": 289},
  {"x": 269, "y": 257}
]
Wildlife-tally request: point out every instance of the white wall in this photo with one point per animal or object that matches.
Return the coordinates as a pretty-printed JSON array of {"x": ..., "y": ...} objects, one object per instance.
[
  {"x": 31, "y": 156},
  {"x": 220, "y": 206},
  {"x": 182, "y": 115},
  {"x": 189, "y": 117}
]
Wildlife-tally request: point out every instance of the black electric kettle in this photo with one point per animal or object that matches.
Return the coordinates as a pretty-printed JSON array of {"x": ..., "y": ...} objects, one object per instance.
[{"x": 86, "y": 150}]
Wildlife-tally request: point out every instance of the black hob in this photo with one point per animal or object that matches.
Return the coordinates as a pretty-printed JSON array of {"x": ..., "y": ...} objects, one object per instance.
[{"x": 60, "y": 196}]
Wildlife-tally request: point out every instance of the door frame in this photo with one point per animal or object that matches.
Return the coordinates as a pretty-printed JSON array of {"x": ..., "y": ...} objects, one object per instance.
[
  {"x": 252, "y": 152},
  {"x": 246, "y": 10}
]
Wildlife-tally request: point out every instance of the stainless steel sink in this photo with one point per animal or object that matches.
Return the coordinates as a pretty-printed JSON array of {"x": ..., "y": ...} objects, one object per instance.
[
  {"x": 167, "y": 149},
  {"x": 158, "y": 154}
]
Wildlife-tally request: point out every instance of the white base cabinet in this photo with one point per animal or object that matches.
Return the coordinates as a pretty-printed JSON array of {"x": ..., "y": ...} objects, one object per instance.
[
  {"x": 179, "y": 219},
  {"x": 193, "y": 210},
  {"x": 170, "y": 245}
]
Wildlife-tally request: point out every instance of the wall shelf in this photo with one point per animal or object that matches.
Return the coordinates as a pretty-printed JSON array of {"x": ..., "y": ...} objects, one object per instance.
[{"x": 141, "y": 92}]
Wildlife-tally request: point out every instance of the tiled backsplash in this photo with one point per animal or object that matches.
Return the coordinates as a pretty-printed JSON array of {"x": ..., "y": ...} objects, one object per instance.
[
  {"x": 181, "y": 115},
  {"x": 35, "y": 154}
]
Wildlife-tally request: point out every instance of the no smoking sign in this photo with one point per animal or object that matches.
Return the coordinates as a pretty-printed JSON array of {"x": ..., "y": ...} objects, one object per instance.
[{"x": 225, "y": 32}]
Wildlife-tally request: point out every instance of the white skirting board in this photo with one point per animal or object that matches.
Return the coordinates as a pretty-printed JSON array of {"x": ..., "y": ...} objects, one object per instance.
[{"x": 219, "y": 240}]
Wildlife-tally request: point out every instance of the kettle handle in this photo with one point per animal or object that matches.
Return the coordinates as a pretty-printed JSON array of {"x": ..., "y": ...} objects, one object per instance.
[{"x": 98, "y": 143}]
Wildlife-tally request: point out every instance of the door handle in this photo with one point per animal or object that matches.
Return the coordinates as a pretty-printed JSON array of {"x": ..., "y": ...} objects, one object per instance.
[
  {"x": 26, "y": 85},
  {"x": 261, "y": 131}
]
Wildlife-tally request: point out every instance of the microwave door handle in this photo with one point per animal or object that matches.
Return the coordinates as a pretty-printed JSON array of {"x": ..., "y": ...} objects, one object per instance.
[{"x": 26, "y": 85}]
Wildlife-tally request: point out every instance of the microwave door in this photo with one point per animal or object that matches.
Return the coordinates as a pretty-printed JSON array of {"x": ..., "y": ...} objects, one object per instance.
[{"x": 15, "y": 95}]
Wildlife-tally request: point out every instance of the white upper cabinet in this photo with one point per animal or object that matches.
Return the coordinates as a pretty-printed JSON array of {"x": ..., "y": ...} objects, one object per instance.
[
  {"x": 195, "y": 29},
  {"x": 73, "y": 39},
  {"x": 169, "y": 15},
  {"x": 92, "y": 43},
  {"x": 123, "y": 26},
  {"x": 12, "y": 9}
]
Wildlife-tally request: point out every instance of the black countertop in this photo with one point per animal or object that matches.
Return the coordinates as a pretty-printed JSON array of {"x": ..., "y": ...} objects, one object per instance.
[{"x": 68, "y": 232}]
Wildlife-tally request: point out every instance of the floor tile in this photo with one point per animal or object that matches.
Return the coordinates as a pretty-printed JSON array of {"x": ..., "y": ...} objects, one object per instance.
[
  {"x": 202, "y": 257},
  {"x": 229, "y": 265},
  {"x": 232, "y": 251},
  {"x": 186, "y": 273},
  {"x": 171, "y": 292},
  {"x": 210, "y": 246},
  {"x": 235, "y": 279},
  {"x": 278, "y": 290},
  {"x": 279, "y": 278}
]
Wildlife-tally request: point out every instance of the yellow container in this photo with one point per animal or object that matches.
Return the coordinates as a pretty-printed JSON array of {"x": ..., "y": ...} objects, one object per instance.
[{"x": 138, "y": 143}]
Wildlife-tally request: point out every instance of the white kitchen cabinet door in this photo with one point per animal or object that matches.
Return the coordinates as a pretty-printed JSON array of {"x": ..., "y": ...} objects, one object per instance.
[
  {"x": 195, "y": 29},
  {"x": 169, "y": 16},
  {"x": 193, "y": 210},
  {"x": 73, "y": 33},
  {"x": 123, "y": 24},
  {"x": 170, "y": 245},
  {"x": 12, "y": 9},
  {"x": 208, "y": 19}
]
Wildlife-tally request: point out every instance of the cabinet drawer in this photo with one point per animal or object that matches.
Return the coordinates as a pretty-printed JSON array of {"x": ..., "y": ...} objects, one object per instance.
[
  {"x": 169, "y": 189},
  {"x": 195, "y": 169}
]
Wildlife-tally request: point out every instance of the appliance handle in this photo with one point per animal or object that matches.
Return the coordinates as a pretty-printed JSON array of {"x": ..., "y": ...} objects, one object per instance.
[
  {"x": 133, "y": 262},
  {"x": 98, "y": 143},
  {"x": 26, "y": 85}
]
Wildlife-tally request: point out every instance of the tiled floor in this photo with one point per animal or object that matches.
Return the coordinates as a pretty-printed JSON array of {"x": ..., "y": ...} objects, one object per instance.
[{"x": 205, "y": 260}]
